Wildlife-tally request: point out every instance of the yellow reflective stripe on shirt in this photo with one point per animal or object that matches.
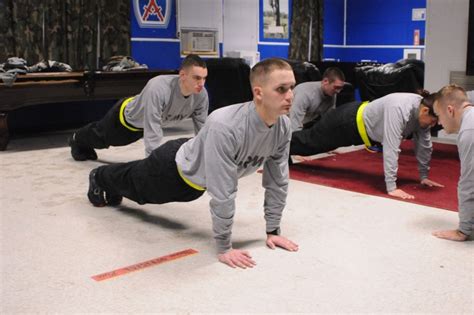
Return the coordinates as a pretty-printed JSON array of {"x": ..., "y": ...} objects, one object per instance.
[
  {"x": 190, "y": 183},
  {"x": 122, "y": 115},
  {"x": 361, "y": 125}
]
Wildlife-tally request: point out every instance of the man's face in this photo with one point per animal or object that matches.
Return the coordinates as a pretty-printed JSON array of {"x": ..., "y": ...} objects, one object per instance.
[
  {"x": 446, "y": 117},
  {"x": 193, "y": 79},
  {"x": 331, "y": 89},
  {"x": 276, "y": 93},
  {"x": 426, "y": 119}
]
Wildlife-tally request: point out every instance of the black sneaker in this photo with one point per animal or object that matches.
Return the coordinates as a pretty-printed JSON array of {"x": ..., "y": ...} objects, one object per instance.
[
  {"x": 95, "y": 193},
  {"x": 113, "y": 200},
  {"x": 81, "y": 153}
]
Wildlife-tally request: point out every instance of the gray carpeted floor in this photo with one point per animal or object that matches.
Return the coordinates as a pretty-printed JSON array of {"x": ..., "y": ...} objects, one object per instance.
[{"x": 358, "y": 253}]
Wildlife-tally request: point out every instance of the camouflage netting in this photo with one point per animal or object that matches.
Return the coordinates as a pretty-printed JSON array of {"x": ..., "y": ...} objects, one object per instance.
[
  {"x": 302, "y": 12},
  {"x": 70, "y": 33}
]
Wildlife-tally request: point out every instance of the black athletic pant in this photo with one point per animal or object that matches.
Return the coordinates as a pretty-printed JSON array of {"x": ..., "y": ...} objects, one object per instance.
[
  {"x": 336, "y": 128},
  {"x": 151, "y": 180},
  {"x": 107, "y": 131}
]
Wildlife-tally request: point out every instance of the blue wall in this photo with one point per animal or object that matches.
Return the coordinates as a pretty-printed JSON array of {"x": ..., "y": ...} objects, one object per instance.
[
  {"x": 380, "y": 23},
  {"x": 157, "y": 55},
  {"x": 333, "y": 22},
  {"x": 158, "y": 48},
  {"x": 272, "y": 50},
  {"x": 370, "y": 22}
]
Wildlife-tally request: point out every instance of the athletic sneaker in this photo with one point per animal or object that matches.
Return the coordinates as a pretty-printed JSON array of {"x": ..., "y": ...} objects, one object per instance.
[
  {"x": 81, "y": 153},
  {"x": 95, "y": 193},
  {"x": 113, "y": 200}
]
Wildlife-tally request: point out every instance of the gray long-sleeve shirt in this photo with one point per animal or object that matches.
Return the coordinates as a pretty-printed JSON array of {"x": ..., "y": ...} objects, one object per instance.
[
  {"x": 234, "y": 143},
  {"x": 465, "y": 142},
  {"x": 389, "y": 120},
  {"x": 309, "y": 102},
  {"x": 161, "y": 103}
]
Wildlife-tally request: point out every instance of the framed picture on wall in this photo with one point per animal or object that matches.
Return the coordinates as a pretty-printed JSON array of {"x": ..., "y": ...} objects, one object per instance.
[{"x": 276, "y": 19}]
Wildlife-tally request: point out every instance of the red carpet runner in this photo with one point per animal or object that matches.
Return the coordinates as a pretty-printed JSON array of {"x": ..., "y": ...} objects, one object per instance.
[{"x": 362, "y": 172}]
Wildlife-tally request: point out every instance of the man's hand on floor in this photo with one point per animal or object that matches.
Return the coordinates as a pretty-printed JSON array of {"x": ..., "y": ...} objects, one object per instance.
[
  {"x": 237, "y": 258},
  {"x": 430, "y": 183},
  {"x": 274, "y": 241}
]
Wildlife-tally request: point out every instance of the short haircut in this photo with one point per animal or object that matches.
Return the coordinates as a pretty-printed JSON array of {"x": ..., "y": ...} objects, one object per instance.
[
  {"x": 333, "y": 74},
  {"x": 451, "y": 94},
  {"x": 193, "y": 60},
  {"x": 261, "y": 70}
]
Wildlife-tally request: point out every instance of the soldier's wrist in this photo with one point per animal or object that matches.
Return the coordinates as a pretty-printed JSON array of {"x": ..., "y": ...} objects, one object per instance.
[{"x": 274, "y": 232}]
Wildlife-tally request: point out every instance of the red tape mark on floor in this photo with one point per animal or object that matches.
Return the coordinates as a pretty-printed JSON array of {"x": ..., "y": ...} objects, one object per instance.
[{"x": 143, "y": 265}]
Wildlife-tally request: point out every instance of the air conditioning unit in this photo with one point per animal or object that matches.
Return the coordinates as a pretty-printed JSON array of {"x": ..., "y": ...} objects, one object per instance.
[
  {"x": 250, "y": 57},
  {"x": 199, "y": 41}
]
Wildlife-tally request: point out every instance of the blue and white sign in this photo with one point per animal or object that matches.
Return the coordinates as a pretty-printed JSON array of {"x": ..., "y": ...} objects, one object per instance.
[{"x": 152, "y": 13}]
